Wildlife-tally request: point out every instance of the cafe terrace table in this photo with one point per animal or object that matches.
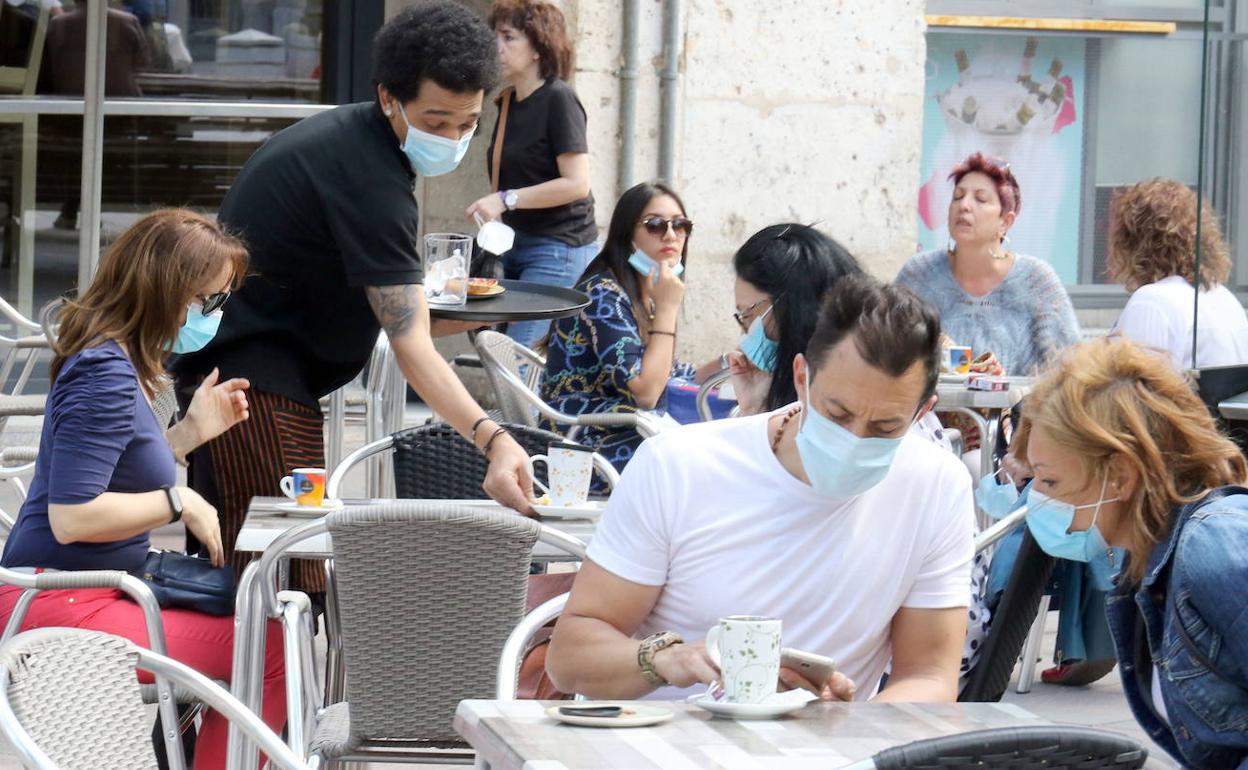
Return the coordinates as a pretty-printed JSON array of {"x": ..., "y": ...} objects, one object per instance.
[
  {"x": 263, "y": 524},
  {"x": 517, "y": 735},
  {"x": 523, "y": 301}
]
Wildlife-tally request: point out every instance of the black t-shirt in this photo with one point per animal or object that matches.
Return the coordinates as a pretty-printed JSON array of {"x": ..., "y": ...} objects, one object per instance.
[
  {"x": 547, "y": 124},
  {"x": 326, "y": 208}
]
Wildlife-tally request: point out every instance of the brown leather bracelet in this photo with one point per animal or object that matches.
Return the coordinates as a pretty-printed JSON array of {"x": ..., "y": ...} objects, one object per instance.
[
  {"x": 485, "y": 450},
  {"x": 473, "y": 435}
]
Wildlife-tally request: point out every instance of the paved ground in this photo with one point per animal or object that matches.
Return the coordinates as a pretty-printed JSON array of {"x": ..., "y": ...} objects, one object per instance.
[{"x": 1100, "y": 705}]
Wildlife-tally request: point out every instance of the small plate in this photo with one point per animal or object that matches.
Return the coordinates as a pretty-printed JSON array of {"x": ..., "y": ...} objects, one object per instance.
[
  {"x": 295, "y": 509},
  {"x": 776, "y": 705},
  {"x": 634, "y": 715},
  {"x": 953, "y": 377},
  {"x": 493, "y": 292},
  {"x": 591, "y": 509}
]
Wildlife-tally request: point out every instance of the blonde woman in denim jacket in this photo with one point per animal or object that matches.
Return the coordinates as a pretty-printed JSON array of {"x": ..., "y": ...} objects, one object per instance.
[{"x": 1127, "y": 457}]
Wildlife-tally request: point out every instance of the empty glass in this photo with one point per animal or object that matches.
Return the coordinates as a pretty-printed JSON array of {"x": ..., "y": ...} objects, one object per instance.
[{"x": 446, "y": 268}]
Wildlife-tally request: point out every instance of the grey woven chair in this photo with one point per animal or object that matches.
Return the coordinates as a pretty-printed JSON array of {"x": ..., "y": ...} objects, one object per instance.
[
  {"x": 519, "y": 402},
  {"x": 70, "y": 700},
  {"x": 1014, "y": 748},
  {"x": 433, "y": 462},
  {"x": 427, "y": 594}
]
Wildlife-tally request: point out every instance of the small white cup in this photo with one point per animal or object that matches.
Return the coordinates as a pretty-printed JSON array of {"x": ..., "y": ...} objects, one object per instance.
[
  {"x": 494, "y": 236},
  {"x": 569, "y": 468},
  {"x": 747, "y": 650}
]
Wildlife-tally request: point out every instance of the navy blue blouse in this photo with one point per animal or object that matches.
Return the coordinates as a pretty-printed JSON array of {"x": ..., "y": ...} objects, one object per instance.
[{"x": 99, "y": 435}]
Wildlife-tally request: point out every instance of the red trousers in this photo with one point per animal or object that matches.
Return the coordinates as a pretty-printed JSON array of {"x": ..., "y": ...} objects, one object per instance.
[{"x": 203, "y": 642}]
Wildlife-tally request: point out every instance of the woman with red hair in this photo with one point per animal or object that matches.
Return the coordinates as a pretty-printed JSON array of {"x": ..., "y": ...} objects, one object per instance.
[{"x": 989, "y": 297}]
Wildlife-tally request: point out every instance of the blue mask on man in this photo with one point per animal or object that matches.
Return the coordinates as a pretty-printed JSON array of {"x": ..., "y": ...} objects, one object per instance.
[
  {"x": 642, "y": 263},
  {"x": 838, "y": 463},
  {"x": 760, "y": 349},
  {"x": 197, "y": 330},
  {"x": 430, "y": 154},
  {"x": 994, "y": 498}
]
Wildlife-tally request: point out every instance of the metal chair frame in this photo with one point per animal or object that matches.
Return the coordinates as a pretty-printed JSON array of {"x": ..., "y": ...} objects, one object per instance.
[{"x": 167, "y": 673}]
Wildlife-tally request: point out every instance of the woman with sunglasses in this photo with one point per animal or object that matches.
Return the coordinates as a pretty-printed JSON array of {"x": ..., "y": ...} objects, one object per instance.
[
  {"x": 783, "y": 271},
  {"x": 1127, "y": 458},
  {"x": 988, "y": 297},
  {"x": 106, "y": 474},
  {"x": 618, "y": 353}
]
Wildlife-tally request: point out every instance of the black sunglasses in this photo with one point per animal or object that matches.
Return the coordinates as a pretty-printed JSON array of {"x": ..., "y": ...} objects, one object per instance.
[
  {"x": 211, "y": 303},
  {"x": 657, "y": 225}
]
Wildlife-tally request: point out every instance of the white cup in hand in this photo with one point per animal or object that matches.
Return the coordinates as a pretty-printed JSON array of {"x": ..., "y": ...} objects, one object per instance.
[
  {"x": 747, "y": 650},
  {"x": 569, "y": 468}
]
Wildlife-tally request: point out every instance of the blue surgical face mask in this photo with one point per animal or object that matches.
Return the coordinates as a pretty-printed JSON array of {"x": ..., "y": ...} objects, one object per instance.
[
  {"x": 643, "y": 264},
  {"x": 838, "y": 463},
  {"x": 758, "y": 347},
  {"x": 994, "y": 498},
  {"x": 430, "y": 154},
  {"x": 197, "y": 330},
  {"x": 1050, "y": 520}
]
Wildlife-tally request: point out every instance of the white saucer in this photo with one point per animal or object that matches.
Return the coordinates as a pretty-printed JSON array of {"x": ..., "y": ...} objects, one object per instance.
[
  {"x": 954, "y": 377},
  {"x": 311, "y": 511},
  {"x": 634, "y": 715},
  {"x": 591, "y": 509},
  {"x": 776, "y": 705}
]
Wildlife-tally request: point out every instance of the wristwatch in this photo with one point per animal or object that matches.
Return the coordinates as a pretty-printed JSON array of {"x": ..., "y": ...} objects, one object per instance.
[
  {"x": 175, "y": 503},
  {"x": 511, "y": 199},
  {"x": 646, "y": 652}
]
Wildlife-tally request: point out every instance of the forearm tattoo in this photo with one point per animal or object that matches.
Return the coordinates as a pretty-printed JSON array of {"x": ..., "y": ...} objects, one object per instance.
[{"x": 396, "y": 307}]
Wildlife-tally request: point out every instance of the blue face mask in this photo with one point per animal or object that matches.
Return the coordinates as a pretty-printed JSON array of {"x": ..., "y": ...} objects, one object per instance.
[
  {"x": 643, "y": 264},
  {"x": 758, "y": 347},
  {"x": 838, "y": 463},
  {"x": 430, "y": 154},
  {"x": 996, "y": 499},
  {"x": 1050, "y": 520},
  {"x": 197, "y": 331}
]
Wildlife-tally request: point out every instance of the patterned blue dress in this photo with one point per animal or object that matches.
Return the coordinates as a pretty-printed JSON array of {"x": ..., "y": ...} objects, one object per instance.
[{"x": 589, "y": 361}]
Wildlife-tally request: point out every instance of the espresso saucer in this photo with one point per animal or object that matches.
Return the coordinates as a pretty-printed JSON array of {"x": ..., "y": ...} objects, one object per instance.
[
  {"x": 293, "y": 508},
  {"x": 774, "y": 706},
  {"x": 590, "y": 509}
]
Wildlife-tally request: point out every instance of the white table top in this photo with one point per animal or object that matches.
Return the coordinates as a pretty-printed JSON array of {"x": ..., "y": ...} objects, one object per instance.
[
  {"x": 517, "y": 735},
  {"x": 955, "y": 394},
  {"x": 265, "y": 521},
  {"x": 1235, "y": 407}
]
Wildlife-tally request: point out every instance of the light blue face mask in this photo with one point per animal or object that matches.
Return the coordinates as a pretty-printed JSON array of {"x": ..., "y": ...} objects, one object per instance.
[
  {"x": 197, "y": 330},
  {"x": 994, "y": 498},
  {"x": 1050, "y": 520},
  {"x": 643, "y": 264},
  {"x": 758, "y": 347},
  {"x": 430, "y": 154},
  {"x": 838, "y": 463}
]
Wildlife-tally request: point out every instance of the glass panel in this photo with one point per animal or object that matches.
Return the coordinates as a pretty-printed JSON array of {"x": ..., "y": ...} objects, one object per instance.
[{"x": 196, "y": 49}]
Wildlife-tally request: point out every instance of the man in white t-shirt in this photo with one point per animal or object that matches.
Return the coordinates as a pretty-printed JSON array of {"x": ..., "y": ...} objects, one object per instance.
[{"x": 853, "y": 530}]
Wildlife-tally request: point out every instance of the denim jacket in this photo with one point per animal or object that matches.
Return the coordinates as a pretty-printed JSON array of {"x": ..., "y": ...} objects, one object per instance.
[{"x": 1189, "y": 618}]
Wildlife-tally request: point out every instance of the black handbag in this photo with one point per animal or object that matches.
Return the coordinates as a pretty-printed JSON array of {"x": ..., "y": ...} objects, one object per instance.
[{"x": 189, "y": 582}]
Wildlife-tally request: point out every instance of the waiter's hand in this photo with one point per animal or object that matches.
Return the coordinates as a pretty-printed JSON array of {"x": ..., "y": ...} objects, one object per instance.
[
  {"x": 444, "y": 327},
  {"x": 507, "y": 481},
  {"x": 490, "y": 207}
]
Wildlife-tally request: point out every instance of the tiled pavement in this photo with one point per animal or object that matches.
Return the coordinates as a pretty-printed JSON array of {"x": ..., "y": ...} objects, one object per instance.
[{"x": 1099, "y": 705}]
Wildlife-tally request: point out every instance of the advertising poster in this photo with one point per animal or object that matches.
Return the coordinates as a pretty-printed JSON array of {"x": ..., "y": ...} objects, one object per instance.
[{"x": 1017, "y": 99}]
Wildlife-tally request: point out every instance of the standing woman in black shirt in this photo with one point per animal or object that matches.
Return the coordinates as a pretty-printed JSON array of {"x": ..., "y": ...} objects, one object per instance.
[{"x": 541, "y": 175}]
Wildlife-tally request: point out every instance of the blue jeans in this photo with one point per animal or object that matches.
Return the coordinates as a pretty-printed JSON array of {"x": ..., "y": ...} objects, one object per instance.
[{"x": 548, "y": 261}]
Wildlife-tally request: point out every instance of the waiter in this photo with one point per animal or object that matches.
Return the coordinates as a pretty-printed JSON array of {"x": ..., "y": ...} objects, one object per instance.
[{"x": 327, "y": 210}]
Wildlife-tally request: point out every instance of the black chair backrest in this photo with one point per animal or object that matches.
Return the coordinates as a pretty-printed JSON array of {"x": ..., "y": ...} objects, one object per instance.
[
  {"x": 1010, "y": 624},
  {"x": 433, "y": 462},
  {"x": 1215, "y": 385},
  {"x": 1015, "y": 748}
]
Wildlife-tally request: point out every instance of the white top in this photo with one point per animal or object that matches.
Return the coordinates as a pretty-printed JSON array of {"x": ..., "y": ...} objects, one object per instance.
[
  {"x": 1159, "y": 315},
  {"x": 1159, "y": 704},
  {"x": 710, "y": 514}
]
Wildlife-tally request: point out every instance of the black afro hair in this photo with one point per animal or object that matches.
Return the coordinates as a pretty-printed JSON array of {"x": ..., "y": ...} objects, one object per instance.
[{"x": 438, "y": 40}]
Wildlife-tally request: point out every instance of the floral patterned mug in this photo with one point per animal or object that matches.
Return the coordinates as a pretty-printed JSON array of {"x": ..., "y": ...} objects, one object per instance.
[{"x": 747, "y": 650}]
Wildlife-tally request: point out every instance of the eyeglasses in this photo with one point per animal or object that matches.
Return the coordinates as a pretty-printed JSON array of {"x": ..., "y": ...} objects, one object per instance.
[
  {"x": 657, "y": 225},
  {"x": 211, "y": 303},
  {"x": 745, "y": 317}
]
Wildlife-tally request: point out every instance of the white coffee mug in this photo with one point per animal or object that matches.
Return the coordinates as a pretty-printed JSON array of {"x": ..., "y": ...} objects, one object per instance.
[
  {"x": 568, "y": 469},
  {"x": 494, "y": 236},
  {"x": 747, "y": 650}
]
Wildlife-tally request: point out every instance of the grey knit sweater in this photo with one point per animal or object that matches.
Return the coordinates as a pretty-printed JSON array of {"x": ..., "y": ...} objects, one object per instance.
[{"x": 1027, "y": 320}]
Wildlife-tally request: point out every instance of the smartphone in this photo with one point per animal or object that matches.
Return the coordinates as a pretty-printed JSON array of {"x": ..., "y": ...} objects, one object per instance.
[
  {"x": 817, "y": 669},
  {"x": 591, "y": 711}
]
